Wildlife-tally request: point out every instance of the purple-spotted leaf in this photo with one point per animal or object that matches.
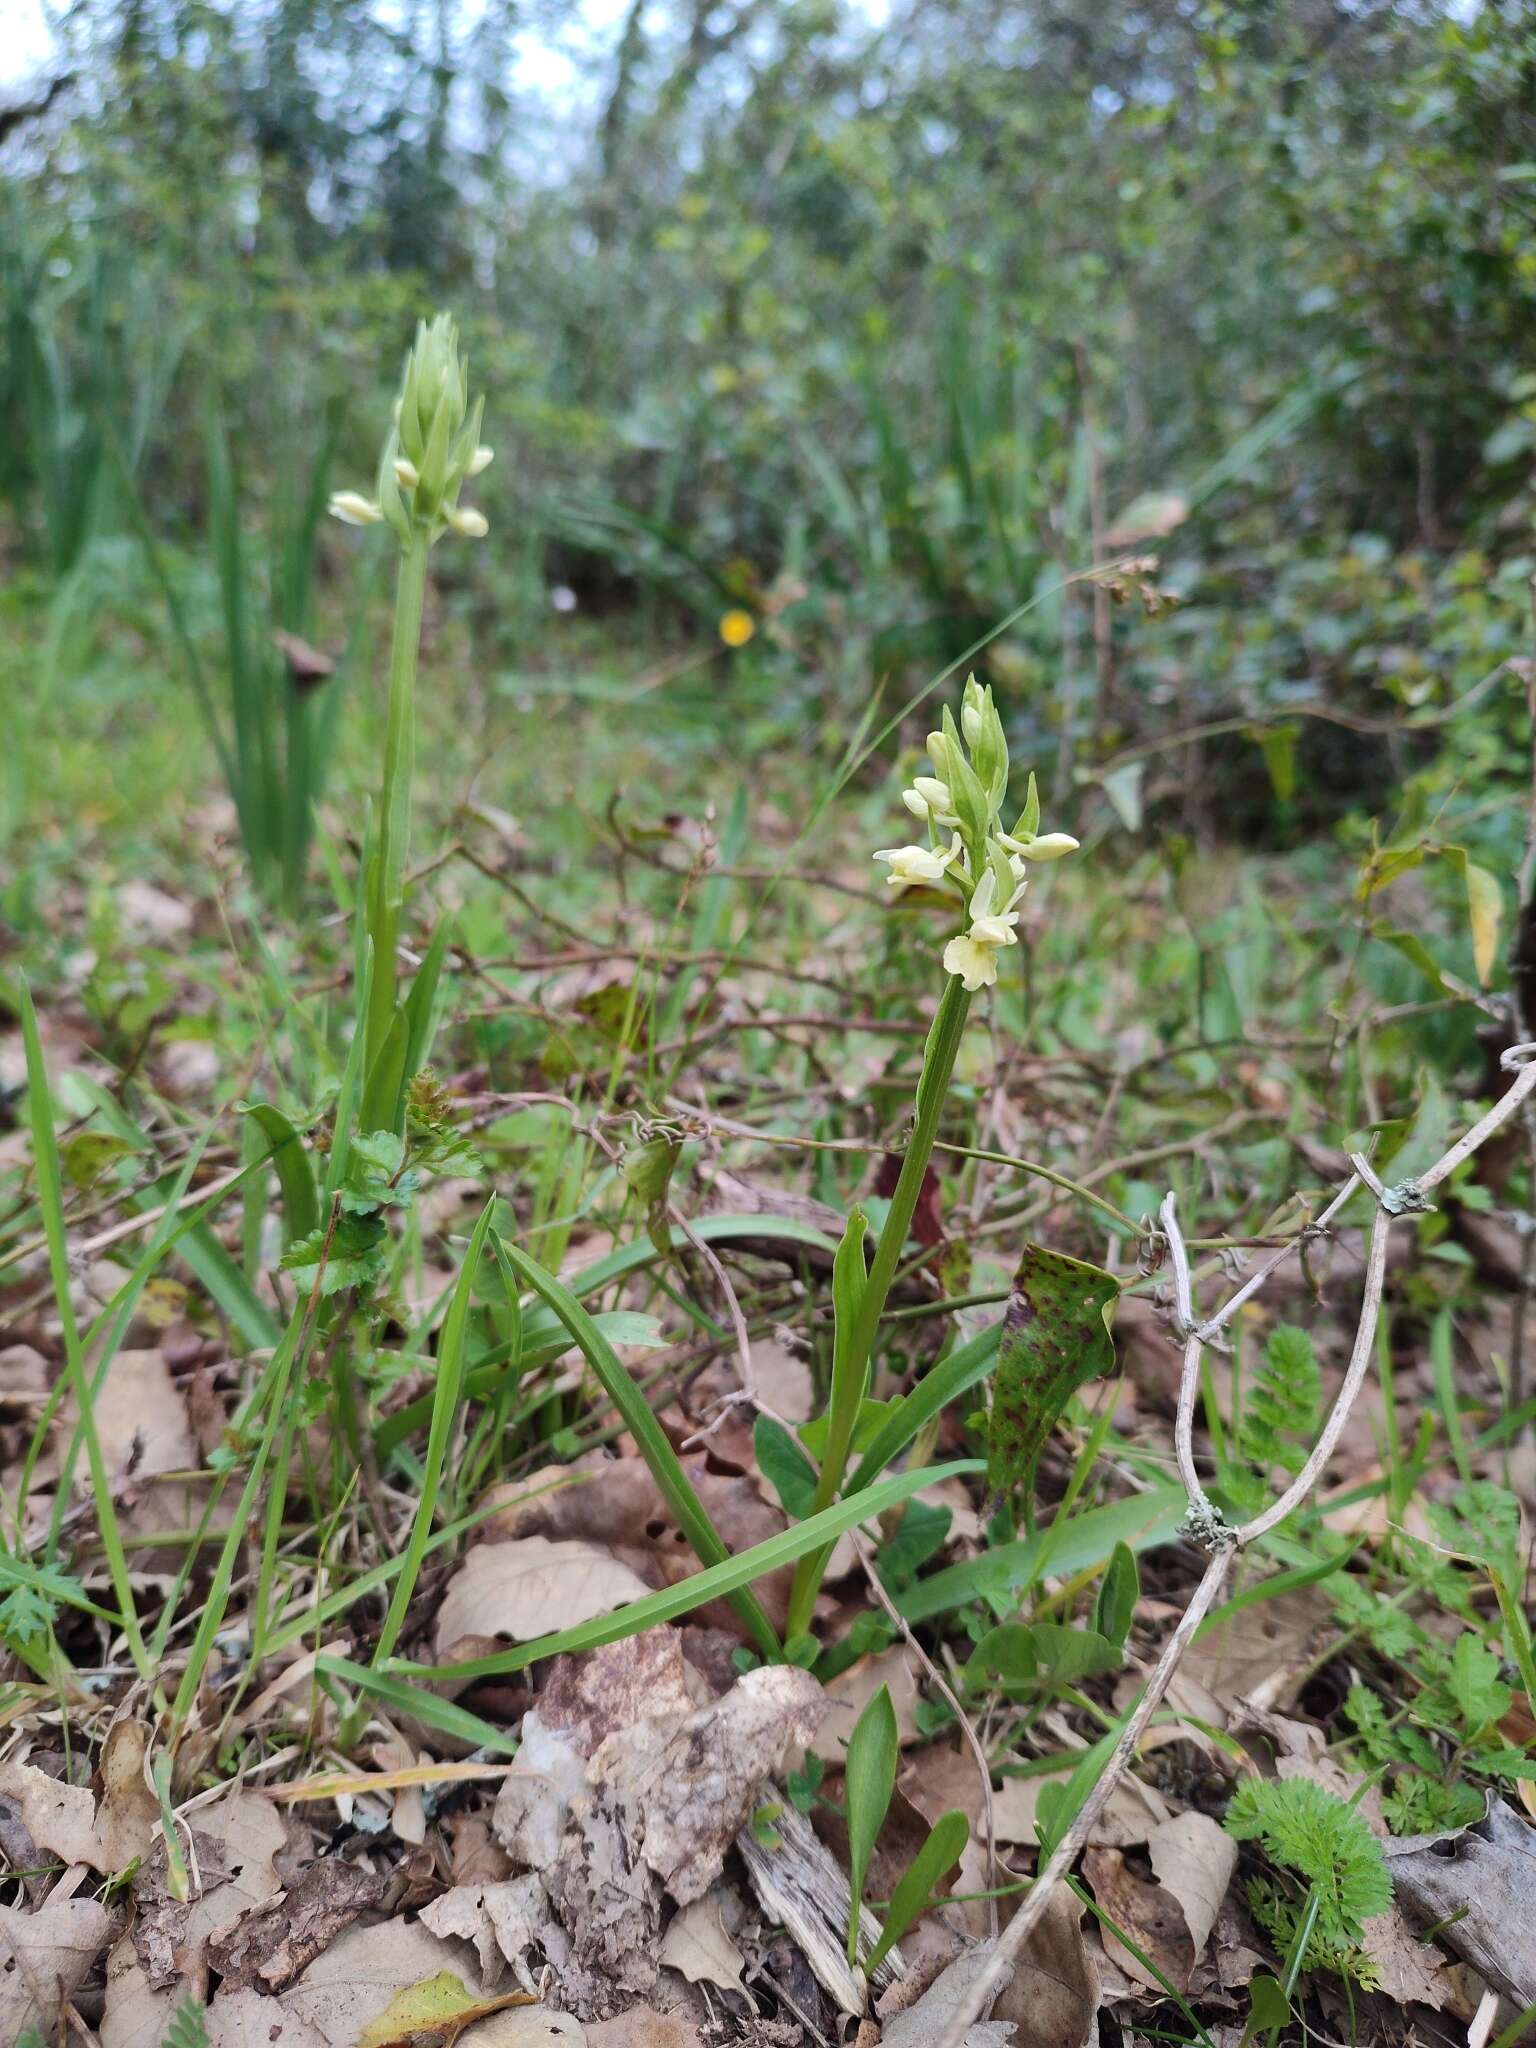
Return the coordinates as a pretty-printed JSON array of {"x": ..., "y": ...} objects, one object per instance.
[{"x": 1056, "y": 1337}]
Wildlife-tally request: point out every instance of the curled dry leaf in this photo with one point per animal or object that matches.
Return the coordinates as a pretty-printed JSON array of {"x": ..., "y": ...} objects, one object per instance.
[
  {"x": 690, "y": 1782},
  {"x": 1477, "y": 1886},
  {"x": 529, "y": 1818},
  {"x": 269, "y": 1945},
  {"x": 60, "y": 1818},
  {"x": 531, "y": 1587},
  {"x": 501, "y": 1921},
  {"x": 44, "y": 1956},
  {"x": 697, "y": 1945},
  {"x": 128, "y": 1812}
]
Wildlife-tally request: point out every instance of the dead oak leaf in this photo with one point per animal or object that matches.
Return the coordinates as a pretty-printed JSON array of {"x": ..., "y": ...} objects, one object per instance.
[
  {"x": 531, "y": 1587},
  {"x": 250, "y": 2019},
  {"x": 44, "y": 1956},
  {"x": 698, "y": 1947},
  {"x": 60, "y": 1818},
  {"x": 590, "y": 1697},
  {"x": 501, "y": 1922},
  {"x": 353, "y": 1982},
  {"x": 1169, "y": 1920},
  {"x": 851, "y": 1691}
]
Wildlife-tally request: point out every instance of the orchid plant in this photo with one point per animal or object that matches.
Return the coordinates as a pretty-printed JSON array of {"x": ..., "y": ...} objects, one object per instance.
[
  {"x": 432, "y": 449},
  {"x": 968, "y": 852}
]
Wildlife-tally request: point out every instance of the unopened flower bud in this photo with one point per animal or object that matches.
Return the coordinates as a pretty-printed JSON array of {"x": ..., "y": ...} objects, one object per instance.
[
  {"x": 354, "y": 508},
  {"x": 482, "y": 458},
  {"x": 407, "y": 476},
  {"x": 466, "y": 520}
]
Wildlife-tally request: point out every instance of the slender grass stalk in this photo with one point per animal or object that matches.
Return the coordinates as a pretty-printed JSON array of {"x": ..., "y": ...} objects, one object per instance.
[
  {"x": 386, "y": 879},
  {"x": 939, "y": 1055}
]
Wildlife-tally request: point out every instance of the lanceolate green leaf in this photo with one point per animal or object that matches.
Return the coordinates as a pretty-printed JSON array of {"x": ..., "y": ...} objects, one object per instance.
[
  {"x": 719, "y": 1581},
  {"x": 1005, "y": 1573},
  {"x": 295, "y": 1177},
  {"x": 869, "y": 1781},
  {"x": 932, "y": 1863},
  {"x": 1055, "y": 1337},
  {"x": 666, "y": 1470}
]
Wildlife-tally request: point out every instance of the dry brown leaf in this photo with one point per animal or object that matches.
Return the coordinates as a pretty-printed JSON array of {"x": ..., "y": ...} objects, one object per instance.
[
  {"x": 141, "y": 1417},
  {"x": 924, "y": 2023},
  {"x": 1147, "y": 1914},
  {"x": 697, "y": 1945},
  {"x": 129, "y": 1812},
  {"x": 60, "y": 1818},
  {"x": 44, "y": 1955},
  {"x": 137, "y": 2013},
  {"x": 531, "y": 1808},
  {"x": 269, "y": 1945},
  {"x": 1054, "y": 1997},
  {"x": 247, "y": 2019},
  {"x": 355, "y": 1980},
  {"x": 1170, "y": 1920},
  {"x": 1194, "y": 1857},
  {"x": 501, "y": 1921},
  {"x": 690, "y": 1782},
  {"x": 851, "y": 1691},
  {"x": 528, "y": 2027},
  {"x": 1408, "y": 1971},
  {"x": 1259, "y": 1653},
  {"x": 531, "y": 1587},
  {"x": 942, "y": 1777},
  {"x": 783, "y": 1381},
  {"x": 1477, "y": 1886},
  {"x": 1131, "y": 1813},
  {"x": 587, "y": 1698}
]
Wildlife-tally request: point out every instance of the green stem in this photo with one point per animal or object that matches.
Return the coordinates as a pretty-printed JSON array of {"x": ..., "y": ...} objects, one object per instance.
[
  {"x": 939, "y": 1054},
  {"x": 386, "y": 879}
]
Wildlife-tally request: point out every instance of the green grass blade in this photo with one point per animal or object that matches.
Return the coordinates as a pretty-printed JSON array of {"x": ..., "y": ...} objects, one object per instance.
[
  {"x": 422, "y": 1706},
  {"x": 938, "y": 1855},
  {"x": 1142, "y": 1522},
  {"x": 719, "y": 1581},
  {"x": 445, "y": 1408},
  {"x": 295, "y": 1176}
]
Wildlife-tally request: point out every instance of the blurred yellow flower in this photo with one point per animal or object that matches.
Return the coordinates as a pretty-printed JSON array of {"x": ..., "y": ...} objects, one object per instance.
[{"x": 737, "y": 628}]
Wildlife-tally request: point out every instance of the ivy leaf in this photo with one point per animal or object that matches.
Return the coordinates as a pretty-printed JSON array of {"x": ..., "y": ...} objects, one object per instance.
[{"x": 1056, "y": 1337}]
